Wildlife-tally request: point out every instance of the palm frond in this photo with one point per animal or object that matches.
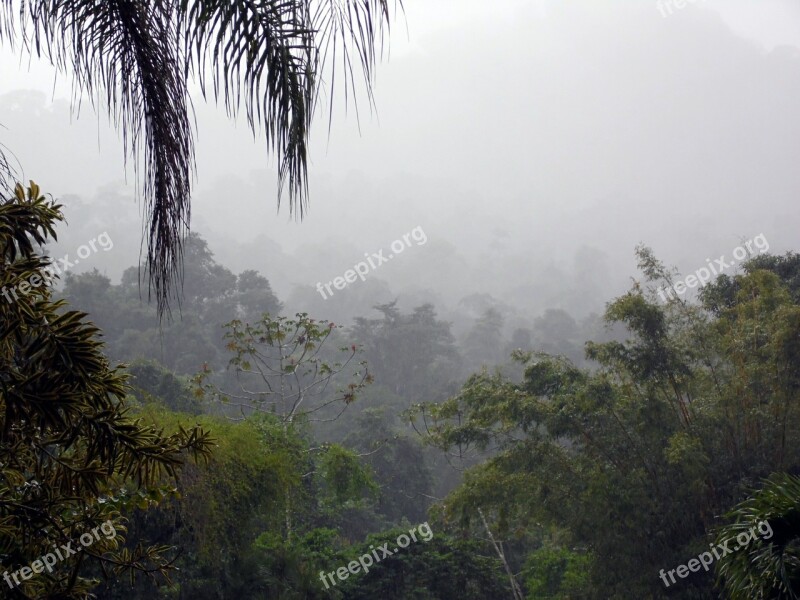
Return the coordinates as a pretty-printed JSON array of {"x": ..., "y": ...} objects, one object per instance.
[
  {"x": 9, "y": 175},
  {"x": 126, "y": 54},
  {"x": 261, "y": 55},
  {"x": 267, "y": 58},
  {"x": 348, "y": 29}
]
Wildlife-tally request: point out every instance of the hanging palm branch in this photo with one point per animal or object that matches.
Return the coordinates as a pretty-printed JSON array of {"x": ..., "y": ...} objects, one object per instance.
[{"x": 267, "y": 58}]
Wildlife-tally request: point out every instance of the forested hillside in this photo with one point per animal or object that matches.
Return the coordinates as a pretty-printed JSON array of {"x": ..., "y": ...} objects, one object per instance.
[
  {"x": 539, "y": 473},
  {"x": 399, "y": 300}
]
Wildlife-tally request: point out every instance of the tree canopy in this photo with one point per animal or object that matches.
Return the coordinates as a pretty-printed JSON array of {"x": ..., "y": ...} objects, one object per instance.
[{"x": 71, "y": 456}]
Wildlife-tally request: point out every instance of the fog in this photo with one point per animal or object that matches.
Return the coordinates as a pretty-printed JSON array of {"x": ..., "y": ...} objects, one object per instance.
[
  {"x": 535, "y": 336},
  {"x": 534, "y": 143}
]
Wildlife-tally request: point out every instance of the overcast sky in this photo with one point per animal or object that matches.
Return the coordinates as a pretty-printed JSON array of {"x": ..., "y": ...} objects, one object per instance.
[{"x": 536, "y": 142}]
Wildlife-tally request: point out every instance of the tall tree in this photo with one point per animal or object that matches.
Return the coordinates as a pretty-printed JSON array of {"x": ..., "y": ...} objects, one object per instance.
[
  {"x": 411, "y": 354},
  {"x": 266, "y": 58},
  {"x": 71, "y": 458},
  {"x": 281, "y": 368},
  {"x": 627, "y": 465},
  {"x": 483, "y": 344}
]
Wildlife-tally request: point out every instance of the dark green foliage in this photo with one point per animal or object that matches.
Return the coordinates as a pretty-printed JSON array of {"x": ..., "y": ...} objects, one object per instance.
[
  {"x": 230, "y": 518},
  {"x": 581, "y": 482},
  {"x": 769, "y": 566},
  {"x": 398, "y": 464},
  {"x": 150, "y": 382},
  {"x": 345, "y": 479},
  {"x": 721, "y": 294},
  {"x": 557, "y": 574},
  {"x": 290, "y": 570},
  {"x": 71, "y": 457},
  {"x": 443, "y": 568},
  {"x": 222, "y": 507},
  {"x": 635, "y": 460}
]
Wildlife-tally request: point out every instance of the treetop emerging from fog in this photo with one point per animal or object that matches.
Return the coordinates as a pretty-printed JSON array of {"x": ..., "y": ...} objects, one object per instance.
[{"x": 265, "y": 58}]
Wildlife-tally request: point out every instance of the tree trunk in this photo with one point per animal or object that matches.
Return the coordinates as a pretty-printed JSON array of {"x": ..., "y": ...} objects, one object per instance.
[{"x": 515, "y": 589}]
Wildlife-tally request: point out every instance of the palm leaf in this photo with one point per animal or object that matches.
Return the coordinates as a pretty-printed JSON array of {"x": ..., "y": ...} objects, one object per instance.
[{"x": 267, "y": 58}]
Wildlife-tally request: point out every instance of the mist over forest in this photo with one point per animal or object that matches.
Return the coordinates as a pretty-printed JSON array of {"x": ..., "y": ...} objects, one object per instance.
[{"x": 539, "y": 317}]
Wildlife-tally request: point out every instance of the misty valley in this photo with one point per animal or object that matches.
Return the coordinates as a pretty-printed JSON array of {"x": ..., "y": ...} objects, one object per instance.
[{"x": 400, "y": 300}]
